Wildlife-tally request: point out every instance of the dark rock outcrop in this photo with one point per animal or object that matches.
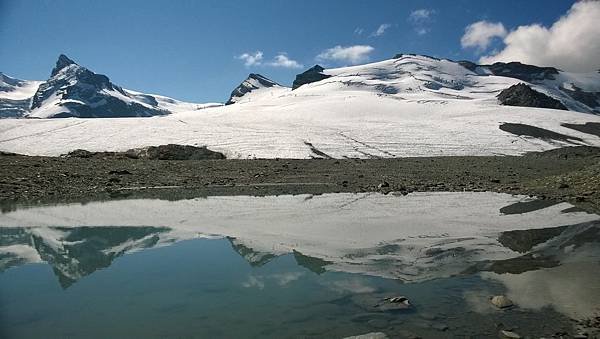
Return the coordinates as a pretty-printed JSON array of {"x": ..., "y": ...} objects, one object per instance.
[
  {"x": 400, "y": 55},
  {"x": 523, "y": 95},
  {"x": 162, "y": 152},
  {"x": 313, "y": 74},
  {"x": 517, "y": 70},
  {"x": 592, "y": 128},
  {"x": 590, "y": 99},
  {"x": 173, "y": 152},
  {"x": 14, "y": 108},
  {"x": 253, "y": 82},
  {"x": 537, "y": 132},
  {"x": 471, "y": 66},
  {"x": 521, "y": 71}
]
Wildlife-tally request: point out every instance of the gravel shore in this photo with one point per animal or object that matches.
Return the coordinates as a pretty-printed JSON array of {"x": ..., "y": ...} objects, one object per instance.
[{"x": 569, "y": 174}]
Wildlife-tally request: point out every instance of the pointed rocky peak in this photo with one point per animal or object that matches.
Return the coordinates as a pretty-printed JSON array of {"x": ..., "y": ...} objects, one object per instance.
[
  {"x": 62, "y": 62},
  {"x": 313, "y": 74},
  {"x": 253, "y": 82},
  {"x": 263, "y": 81}
]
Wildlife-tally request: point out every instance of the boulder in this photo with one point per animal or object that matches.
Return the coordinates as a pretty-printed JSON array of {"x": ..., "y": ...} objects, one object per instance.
[{"x": 501, "y": 301}]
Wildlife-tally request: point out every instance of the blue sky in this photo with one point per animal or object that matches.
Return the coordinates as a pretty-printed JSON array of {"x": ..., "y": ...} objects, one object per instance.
[{"x": 190, "y": 50}]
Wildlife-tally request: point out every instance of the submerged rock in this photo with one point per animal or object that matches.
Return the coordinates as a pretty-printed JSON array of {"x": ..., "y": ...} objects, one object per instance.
[
  {"x": 523, "y": 95},
  {"x": 501, "y": 301}
]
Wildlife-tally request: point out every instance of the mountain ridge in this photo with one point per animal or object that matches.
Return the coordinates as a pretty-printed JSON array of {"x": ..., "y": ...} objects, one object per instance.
[{"x": 75, "y": 91}]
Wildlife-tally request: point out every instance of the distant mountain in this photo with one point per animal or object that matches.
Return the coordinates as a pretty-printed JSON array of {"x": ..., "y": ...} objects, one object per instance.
[
  {"x": 75, "y": 91},
  {"x": 410, "y": 105},
  {"x": 15, "y": 96},
  {"x": 425, "y": 76},
  {"x": 252, "y": 83}
]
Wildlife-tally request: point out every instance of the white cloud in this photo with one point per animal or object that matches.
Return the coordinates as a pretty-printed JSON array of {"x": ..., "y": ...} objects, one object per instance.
[
  {"x": 257, "y": 59},
  {"x": 251, "y": 59},
  {"x": 480, "y": 34},
  {"x": 282, "y": 60},
  {"x": 421, "y": 20},
  {"x": 421, "y": 30},
  {"x": 359, "y": 31},
  {"x": 420, "y": 15},
  {"x": 381, "y": 30},
  {"x": 348, "y": 54},
  {"x": 572, "y": 43}
]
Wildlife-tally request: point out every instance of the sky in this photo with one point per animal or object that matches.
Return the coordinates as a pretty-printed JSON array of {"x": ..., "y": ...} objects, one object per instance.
[{"x": 199, "y": 51}]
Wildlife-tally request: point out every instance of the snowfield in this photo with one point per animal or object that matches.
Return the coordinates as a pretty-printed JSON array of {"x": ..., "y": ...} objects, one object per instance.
[{"x": 410, "y": 106}]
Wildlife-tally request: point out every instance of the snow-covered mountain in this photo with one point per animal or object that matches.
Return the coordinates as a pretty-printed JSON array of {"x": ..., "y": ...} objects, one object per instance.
[
  {"x": 75, "y": 91},
  {"x": 15, "y": 96},
  {"x": 410, "y": 105},
  {"x": 254, "y": 83}
]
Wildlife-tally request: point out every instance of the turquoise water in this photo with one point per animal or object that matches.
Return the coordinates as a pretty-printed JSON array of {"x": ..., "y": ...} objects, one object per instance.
[
  {"x": 146, "y": 282},
  {"x": 205, "y": 289}
]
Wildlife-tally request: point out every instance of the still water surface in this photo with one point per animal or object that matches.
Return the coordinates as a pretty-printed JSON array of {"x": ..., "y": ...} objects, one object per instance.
[{"x": 298, "y": 266}]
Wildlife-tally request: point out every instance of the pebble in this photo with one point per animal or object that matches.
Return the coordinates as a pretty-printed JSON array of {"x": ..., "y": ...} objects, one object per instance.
[
  {"x": 371, "y": 335},
  {"x": 509, "y": 335},
  {"x": 501, "y": 301}
]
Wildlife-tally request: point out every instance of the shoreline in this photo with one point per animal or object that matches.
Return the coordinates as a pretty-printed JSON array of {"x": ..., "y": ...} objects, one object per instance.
[{"x": 570, "y": 174}]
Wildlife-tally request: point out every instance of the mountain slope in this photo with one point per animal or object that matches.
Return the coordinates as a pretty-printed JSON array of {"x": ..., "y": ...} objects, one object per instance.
[{"x": 407, "y": 106}]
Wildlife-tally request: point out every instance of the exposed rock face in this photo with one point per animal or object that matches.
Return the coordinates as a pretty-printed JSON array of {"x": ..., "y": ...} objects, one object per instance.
[
  {"x": 591, "y": 99},
  {"x": 521, "y": 71},
  {"x": 537, "y": 132},
  {"x": 400, "y": 55},
  {"x": 523, "y": 95},
  {"x": 313, "y": 74},
  {"x": 515, "y": 70},
  {"x": 253, "y": 82},
  {"x": 13, "y": 108},
  {"x": 75, "y": 91},
  {"x": 174, "y": 152},
  {"x": 162, "y": 152}
]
